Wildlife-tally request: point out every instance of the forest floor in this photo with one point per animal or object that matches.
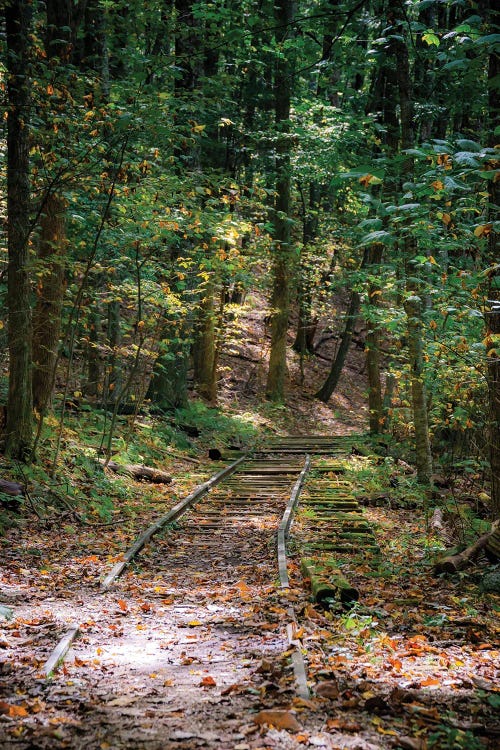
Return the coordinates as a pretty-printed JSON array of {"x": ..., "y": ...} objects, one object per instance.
[{"x": 186, "y": 654}]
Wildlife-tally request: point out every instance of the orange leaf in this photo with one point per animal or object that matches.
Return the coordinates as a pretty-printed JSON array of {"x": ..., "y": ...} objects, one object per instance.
[
  {"x": 123, "y": 605},
  {"x": 244, "y": 590},
  {"x": 208, "y": 682},
  {"x": 429, "y": 681},
  {"x": 12, "y": 710},
  {"x": 278, "y": 719}
]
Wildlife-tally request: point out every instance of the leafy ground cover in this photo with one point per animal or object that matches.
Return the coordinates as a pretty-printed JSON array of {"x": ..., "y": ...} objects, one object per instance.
[{"x": 197, "y": 654}]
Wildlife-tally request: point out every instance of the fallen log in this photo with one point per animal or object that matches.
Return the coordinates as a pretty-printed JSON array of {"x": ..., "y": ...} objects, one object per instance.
[
  {"x": 453, "y": 563},
  {"x": 327, "y": 582},
  {"x": 137, "y": 471}
]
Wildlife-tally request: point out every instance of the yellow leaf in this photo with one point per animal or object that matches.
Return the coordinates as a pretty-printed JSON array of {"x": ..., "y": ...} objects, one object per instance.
[
  {"x": 194, "y": 623},
  {"x": 482, "y": 229}
]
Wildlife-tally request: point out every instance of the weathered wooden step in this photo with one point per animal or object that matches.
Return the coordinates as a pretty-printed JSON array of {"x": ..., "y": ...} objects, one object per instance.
[{"x": 350, "y": 548}]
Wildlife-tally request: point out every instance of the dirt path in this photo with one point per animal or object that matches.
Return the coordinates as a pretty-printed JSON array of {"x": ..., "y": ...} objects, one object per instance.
[
  {"x": 190, "y": 648},
  {"x": 184, "y": 650}
]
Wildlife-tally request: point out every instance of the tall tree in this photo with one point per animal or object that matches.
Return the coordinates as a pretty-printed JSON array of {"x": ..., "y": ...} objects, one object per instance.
[
  {"x": 61, "y": 19},
  {"x": 284, "y": 13},
  {"x": 19, "y": 428}
]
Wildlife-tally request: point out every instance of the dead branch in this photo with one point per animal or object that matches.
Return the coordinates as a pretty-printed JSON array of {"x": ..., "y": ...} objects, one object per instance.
[{"x": 453, "y": 563}]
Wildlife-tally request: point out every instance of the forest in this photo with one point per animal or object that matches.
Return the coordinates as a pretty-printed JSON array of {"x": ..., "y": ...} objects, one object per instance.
[{"x": 265, "y": 231}]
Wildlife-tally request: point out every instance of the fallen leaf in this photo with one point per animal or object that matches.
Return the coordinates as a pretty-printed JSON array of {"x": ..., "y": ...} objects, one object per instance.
[
  {"x": 344, "y": 724},
  {"x": 279, "y": 719},
  {"x": 123, "y": 605},
  {"x": 208, "y": 682},
  {"x": 429, "y": 681},
  {"x": 327, "y": 689},
  {"x": 410, "y": 743},
  {"x": 9, "y": 709}
]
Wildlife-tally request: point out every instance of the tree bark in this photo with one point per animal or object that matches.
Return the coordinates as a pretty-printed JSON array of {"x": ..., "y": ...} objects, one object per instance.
[
  {"x": 376, "y": 418},
  {"x": 493, "y": 315},
  {"x": 306, "y": 326},
  {"x": 204, "y": 349},
  {"x": 413, "y": 308},
  {"x": 284, "y": 12},
  {"x": 19, "y": 427},
  {"x": 47, "y": 314},
  {"x": 53, "y": 242}
]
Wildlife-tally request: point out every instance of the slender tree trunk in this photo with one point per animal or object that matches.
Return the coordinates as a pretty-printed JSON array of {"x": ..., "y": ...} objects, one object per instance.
[
  {"x": 93, "y": 361},
  {"x": 114, "y": 342},
  {"x": 413, "y": 305},
  {"x": 19, "y": 427},
  {"x": 306, "y": 326},
  {"x": 284, "y": 11},
  {"x": 53, "y": 243},
  {"x": 493, "y": 318},
  {"x": 376, "y": 419},
  {"x": 50, "y": 291},
  {"x": 413, "y": 309},
  {"x": 204, "y": 349},
  {"x": 352, "y": 315}
]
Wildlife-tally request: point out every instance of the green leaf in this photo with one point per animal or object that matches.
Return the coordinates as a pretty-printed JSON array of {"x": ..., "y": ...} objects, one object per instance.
[
  {"x": 378, "y": 236},
  {"x": 431, "y": 38}
]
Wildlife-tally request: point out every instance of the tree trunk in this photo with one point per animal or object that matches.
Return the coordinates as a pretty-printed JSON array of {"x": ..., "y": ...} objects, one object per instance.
[
  {"x": 19, "y": 427},
  {"x": 93, "y": 381},
  {"x": 47, "y": 314},
  {"x": 333, "y": 378},
  {"x": 53, "y": 243},
  {"x": 284, "y": 11},
  {"x": 413, "y": 308},
  {"x": 204, "y": 349},
  {"x": 114, "y": 342},
  {"x": 376, "y": 419},
  {"x": 306, "y": 326},
  {"x": 493, "y": 321},
  {"x": 493, "y": 315}
]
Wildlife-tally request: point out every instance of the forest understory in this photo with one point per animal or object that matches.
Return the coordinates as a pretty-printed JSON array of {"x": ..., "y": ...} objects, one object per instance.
[{"x": 191, "y": 651}]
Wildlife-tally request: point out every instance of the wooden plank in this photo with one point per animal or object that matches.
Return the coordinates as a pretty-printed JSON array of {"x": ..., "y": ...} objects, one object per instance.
[
  {"x": 60, "y": 651},
  {"x": 172, "y": 515}
]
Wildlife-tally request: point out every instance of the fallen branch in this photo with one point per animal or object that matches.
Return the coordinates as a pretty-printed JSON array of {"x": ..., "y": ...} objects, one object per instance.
[
  {"x": 453, "y": 563},
  {"x": 137, "y": 471}
]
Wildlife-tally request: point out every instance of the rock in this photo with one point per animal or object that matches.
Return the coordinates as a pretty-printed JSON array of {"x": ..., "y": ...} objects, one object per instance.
[{"x": 491, "y": 582}]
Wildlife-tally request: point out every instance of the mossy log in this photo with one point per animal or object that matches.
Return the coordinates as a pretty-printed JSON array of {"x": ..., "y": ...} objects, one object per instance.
[{"x": 328, "y": 582}]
